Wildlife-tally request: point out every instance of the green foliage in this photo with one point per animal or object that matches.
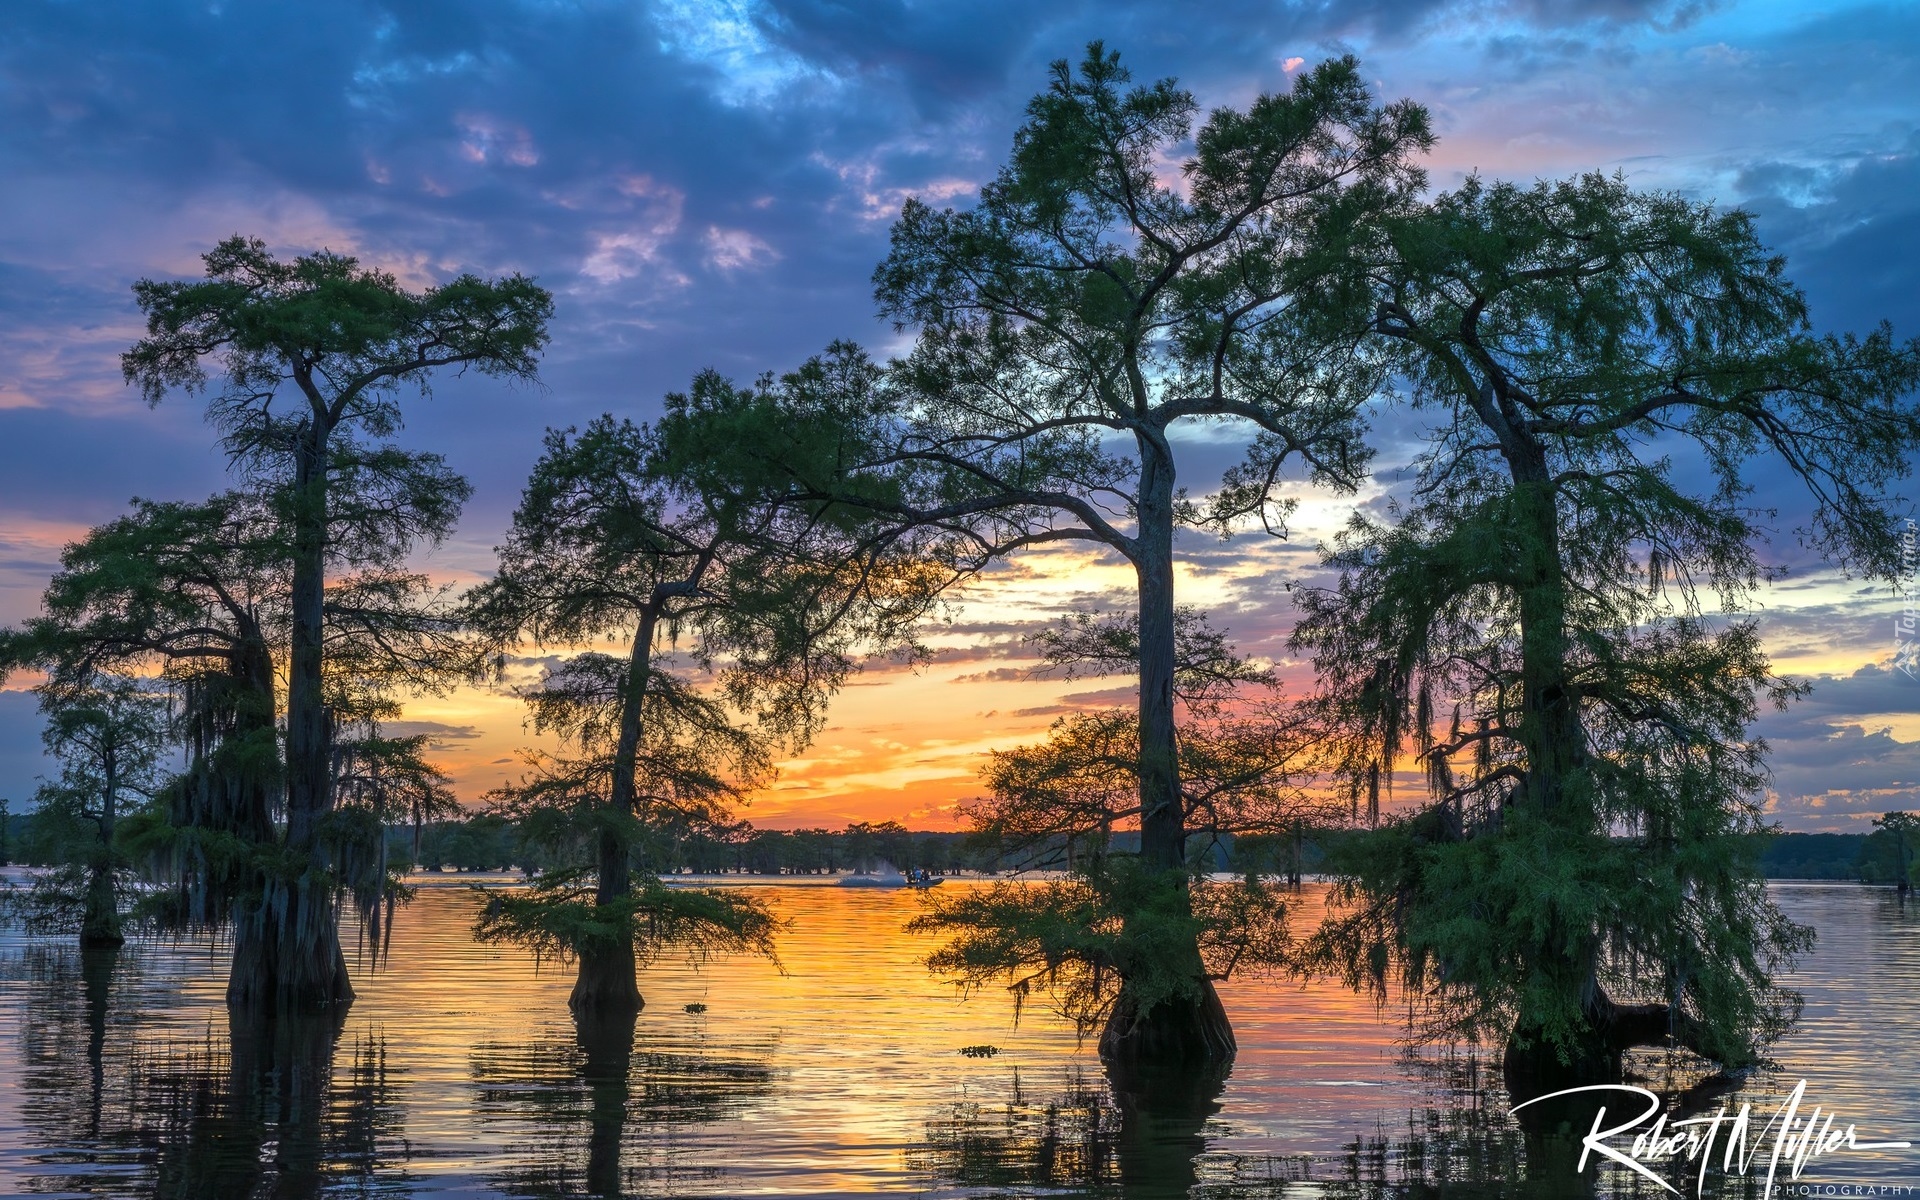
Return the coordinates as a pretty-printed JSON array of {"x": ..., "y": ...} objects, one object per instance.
[
  {"x": 1891, "y": 853},
  {"x": 390, "y": 779},
  {"x": 1811, "y": 855},
  {"x": 715, "y": 547},
  {"x": 1083, "y": 297},
  {"x": 484, "y": 841},
  {"x": 1076, "y": 940},
  {"x": 1246, "y": 763},
  {"x": 198, "y": 592},
  {"x": 1085, "y": 308},
  {"x": 558, "y": 919},
  {"x": 349, "y": 338},
  {"x": 55, "y": 831},
  {"x": 179, "y": 583},
  {"x": 1606, "y": 370},
  {"x": 312, "y": 356},
  {"x": 108, "y": 733}
]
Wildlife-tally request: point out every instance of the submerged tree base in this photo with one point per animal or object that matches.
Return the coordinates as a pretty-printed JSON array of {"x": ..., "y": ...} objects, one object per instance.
[
  {"x": 100, "y": 924},
  {"x": 1179, "y": 1030},
  {"x": 1533, "y": 1066},
  {"x": 286, "y": 951},
  {"x": 611, "y": 938},
  {"x": 607, "y": 986}
]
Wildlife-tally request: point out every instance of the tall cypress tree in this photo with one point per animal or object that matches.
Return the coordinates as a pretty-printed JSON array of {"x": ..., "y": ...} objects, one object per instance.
[
  {"x": 712, "y": 546},
  {"x": 195, "y": 593},
  {"x": 1554, "y": 619},
  {"x": 1070, "y": 325},
  {"x": 312, "y": 356},
  {"x": 109, "y": 734}
]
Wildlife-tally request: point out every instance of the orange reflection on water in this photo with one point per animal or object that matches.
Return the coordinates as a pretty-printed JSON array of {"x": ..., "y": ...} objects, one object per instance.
[{"x": 458, "y": 1071}]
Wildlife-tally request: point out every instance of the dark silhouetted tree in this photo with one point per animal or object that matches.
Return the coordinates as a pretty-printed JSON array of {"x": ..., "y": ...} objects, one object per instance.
[
  {"x": 740, "y": 604},
  {"x": 1111, "y": 288},
  {"x": 109, "y": 734},
  {"x": 1552, "y": 617},
  {"x": 313, "y": 356},
  {"x": 1247, "y": 766},
  {"x": 1891, "y": 851},
  {"x": 197, "y": 594}
]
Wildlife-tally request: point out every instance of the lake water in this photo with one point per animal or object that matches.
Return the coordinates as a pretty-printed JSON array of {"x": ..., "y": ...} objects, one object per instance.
[{"x": 460, "y": 1072}]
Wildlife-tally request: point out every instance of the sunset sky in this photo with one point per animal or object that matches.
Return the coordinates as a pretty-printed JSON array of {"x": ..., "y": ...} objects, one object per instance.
[{"x": 710, "y": 182}]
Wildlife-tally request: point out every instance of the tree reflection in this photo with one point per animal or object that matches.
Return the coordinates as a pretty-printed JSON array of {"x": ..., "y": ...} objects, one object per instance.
[
  {"x": 1150, "y": 1136},
  {"x": 599, "y": 1116},
  {"x": 263, "y": 1110},
  {"x": 97, "y": 965},
  {"x": 1137, "y": 1133},
  {"x": 1468, "y": 1142},
  {"x": 1057, "y": 1139}
]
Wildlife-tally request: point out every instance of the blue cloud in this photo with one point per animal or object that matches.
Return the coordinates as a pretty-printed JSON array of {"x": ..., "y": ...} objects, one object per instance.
[{"x": 709, "y": 182}]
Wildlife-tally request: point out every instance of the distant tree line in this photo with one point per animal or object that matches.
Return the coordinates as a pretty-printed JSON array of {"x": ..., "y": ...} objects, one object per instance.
[{"x": 489, "y": 841}]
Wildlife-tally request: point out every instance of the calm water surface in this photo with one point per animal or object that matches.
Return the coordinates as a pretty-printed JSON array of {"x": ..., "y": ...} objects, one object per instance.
[{"x": 460, "y": 1072}]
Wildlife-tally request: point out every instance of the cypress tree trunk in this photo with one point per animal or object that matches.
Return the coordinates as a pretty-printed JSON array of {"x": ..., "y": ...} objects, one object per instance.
[
  {"x": 239, "y": 799},
  {"x": 1556, "y": 750},
  {"x": 606, "y": 983},
  {"x": 1191, "y": 1027},
  {"x": 1554, "y": 739},
  {"x": 100, "y": 926},
  {"x": 300, "y": 908},
  {"x": 100, "y": 920},
  {"x": 1533, "y": 1067}
]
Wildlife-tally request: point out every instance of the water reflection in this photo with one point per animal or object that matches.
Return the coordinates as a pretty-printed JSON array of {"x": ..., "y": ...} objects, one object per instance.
[
  {"x": 1061, "y": 1139},
  {"x": 97, "y": 965},
  {"x": 460, "y": 1072},
  {"x": 597, "y": 1117},
  {"x": 1155, "y": 1137},
  {"x": 270, "y": 1108}
]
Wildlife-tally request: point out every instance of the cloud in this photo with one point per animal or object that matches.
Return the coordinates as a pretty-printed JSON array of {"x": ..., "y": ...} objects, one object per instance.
[
  {"x": 438, "y": 733},
  {"x": 710, "y": 183},
  {"x": 996, "y": 675},
  {"x": 734, "y": 249},
  {"x": 487, "y": 140},
  {"x": 1851, "y": 228},
  {"x": 1837, "y": 757}
]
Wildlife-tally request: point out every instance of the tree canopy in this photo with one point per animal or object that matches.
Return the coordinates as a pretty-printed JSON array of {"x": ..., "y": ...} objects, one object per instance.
[
  {"x": 1087, "y": 307},
  {"x": 312, "y": 357},
  {"x": 1553, "y": 614},
  {"x": 705, "y": 544}
]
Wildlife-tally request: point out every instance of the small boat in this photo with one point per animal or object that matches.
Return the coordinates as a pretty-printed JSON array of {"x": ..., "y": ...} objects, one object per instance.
[{"x": 894, "y": 880}]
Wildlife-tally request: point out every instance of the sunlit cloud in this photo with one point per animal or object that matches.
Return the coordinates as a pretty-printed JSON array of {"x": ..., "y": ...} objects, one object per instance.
[
  {"x": 708, "y": 183},
  {"x": 735, "y": 249}
]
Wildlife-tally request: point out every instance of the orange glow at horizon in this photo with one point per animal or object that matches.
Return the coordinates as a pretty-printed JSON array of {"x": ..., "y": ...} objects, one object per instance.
[{"x": 907, "y": 745}]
